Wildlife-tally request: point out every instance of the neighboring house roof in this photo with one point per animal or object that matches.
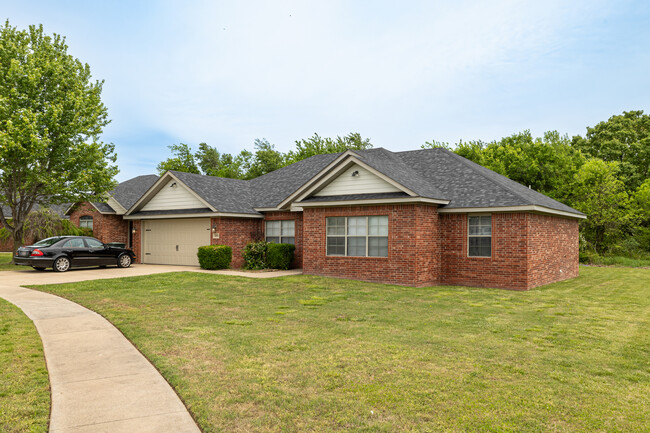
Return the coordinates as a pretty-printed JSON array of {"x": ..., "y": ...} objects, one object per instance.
[
  {"x": 437, "y": 175},
  {"x": 59, "y": 209}
]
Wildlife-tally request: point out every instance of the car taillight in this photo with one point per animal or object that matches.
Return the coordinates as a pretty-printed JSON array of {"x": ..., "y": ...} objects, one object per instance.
[{"x": 37, "y": 252}]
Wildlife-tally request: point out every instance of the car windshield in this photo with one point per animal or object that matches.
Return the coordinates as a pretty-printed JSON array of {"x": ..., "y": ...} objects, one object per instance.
[{"x": 47, "y": 242}]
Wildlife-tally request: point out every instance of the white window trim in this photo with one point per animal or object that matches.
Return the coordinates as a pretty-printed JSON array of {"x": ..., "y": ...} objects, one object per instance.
[
  {"x": 281, "y": 234},
  {"x": 87, "y": 218},
  {"x": 367, "y": 236},
  {"x": 479, "y": 236}
]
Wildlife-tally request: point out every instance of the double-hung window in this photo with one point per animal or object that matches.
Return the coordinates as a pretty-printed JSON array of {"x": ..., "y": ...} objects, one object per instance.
[
  {"x": 86, "y": 222},
  {"x": 479, "y": 236},
  {"x": 365, "y": 236},
  {"x": 281, "y": 232}
]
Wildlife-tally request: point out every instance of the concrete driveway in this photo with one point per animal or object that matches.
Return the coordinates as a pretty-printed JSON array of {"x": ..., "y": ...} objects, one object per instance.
[{"x": 100, "y": 382}]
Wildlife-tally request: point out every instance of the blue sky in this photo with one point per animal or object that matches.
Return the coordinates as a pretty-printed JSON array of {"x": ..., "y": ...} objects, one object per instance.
[{"x": 398, "y": 72}]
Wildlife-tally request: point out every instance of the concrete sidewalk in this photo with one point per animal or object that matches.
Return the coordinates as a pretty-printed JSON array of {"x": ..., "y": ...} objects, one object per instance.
[{"x": 100, "y": 382}]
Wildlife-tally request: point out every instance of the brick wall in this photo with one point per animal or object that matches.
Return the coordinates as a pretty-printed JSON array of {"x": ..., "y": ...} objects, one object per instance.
[
  {"x": 106, "y": 228},
  {"x": 136, "y": 240},
  {"x": 236, "y": 233},
  {"x": 413, "y": 258},
  {"x": 507, "y": 268},
  {"x": 528, "y": 250},
  {"x": 297, "y": 217},
  {"x": 552, "y": 249}
]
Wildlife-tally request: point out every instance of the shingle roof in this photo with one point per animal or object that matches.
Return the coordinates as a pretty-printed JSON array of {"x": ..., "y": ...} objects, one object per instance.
[
  {"x": 225, "y": 195},
  {"x": 59, "y": 209},
  {"x": 130, "y": 191},
  {"x": 103, "y": 207},
  {"x": 469, "y": 185},
  {"x": 429, "y": 173},
  {"x": 271, "y": 189}
]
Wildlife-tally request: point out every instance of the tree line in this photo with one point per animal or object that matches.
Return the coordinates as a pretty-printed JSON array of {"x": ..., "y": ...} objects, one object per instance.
[{"x": 605, "y": 174}]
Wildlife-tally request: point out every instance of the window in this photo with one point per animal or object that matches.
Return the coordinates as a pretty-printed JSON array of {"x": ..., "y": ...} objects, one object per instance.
[
  {"x": 480, "y": 236},
  {"x": 74, "y": 243},
  {"x": 357, "y": 236},
  {"x": 86, "y": 222},
  {"x": 281, "y": 232},
  {"x": 94, "y": 243}
]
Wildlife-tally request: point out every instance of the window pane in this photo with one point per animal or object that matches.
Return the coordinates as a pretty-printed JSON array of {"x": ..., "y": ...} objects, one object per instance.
[
  {"x": 378, "y": 225},
  {"x": 74, "y": 243},
  {"x": 273, "y": 228},
  {"x": 275, "y": 239},
  {"x": 357, "y": 226},
  {"x": 480, "y": 225},
  {"x": 288, "y": 240},
  {"x": 336, "y": 226},
  {"x": 288, "y": 228},
  {"x": 94, "y": 243},
  {"x": 335, "y": 246},
  {"x": 357, "y": 246},
  {"x": 480, "y": 247},
  {"x": 378, "y": 247}
]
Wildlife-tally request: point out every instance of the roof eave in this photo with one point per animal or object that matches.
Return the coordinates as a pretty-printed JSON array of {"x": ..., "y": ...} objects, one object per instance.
[{"x": 520, "y": 208}]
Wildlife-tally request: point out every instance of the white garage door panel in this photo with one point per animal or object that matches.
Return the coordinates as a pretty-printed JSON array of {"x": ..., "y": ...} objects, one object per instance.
[{"x": 175, "y": 241}]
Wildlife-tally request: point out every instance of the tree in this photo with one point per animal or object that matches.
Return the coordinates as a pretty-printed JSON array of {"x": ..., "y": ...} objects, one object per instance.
[
  {"x": 182, "y": 160},
  {"x": 316, "y": 145},
  {"x": 265, "y": 159},
  {"x": 624, "y": 139},
  {"x": 600, "y": 194},
  {"x": 51, "y": 118}
]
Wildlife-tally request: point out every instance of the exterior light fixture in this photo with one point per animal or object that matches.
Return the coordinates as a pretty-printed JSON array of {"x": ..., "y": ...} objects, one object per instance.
[{"x": 355, "y": 173}]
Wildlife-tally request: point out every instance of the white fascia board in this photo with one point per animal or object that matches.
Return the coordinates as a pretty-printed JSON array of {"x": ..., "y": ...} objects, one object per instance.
[
  {"x": 325, "y": 171},
  {"x": 523, "y": 208},
  {"x": 155, "y": 189},
  {"x": 401, "y": 200},
  {"x": 192, "y": 215}
]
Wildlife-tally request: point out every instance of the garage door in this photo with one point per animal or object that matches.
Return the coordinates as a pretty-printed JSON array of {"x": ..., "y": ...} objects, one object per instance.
[{"x": 174, "y": 241}]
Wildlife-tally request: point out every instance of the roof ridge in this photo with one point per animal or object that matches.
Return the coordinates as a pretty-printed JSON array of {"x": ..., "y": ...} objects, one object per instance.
[{"x": 473, "y": 165}]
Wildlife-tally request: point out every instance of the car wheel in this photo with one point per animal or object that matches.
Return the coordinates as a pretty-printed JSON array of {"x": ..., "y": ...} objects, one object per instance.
[
  {"x": 38, "y": 268},
  {"x": 61, "y": 264},
  {"x": 124, "y": 261}
]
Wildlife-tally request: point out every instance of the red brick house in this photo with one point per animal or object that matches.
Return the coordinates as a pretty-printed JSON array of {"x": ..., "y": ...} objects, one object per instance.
[{"x": 417, "y": 218}]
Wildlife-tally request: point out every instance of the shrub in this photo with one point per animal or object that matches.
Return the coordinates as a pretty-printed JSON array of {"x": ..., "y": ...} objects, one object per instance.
[
  {"x": 215, "y": 256},
  {"x": 255, "y": 255},
  {"x": 279, "y": 256}
]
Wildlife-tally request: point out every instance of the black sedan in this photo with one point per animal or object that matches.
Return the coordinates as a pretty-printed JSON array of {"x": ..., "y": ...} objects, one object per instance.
[{"x": 64, "y": 252}]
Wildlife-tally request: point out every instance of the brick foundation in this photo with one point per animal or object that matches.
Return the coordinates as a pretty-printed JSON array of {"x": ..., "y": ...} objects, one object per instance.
[{"x": 413, "y": 256}]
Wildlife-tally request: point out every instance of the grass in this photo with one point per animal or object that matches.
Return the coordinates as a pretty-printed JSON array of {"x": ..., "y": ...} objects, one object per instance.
[
  {"x": 5, "y": 263},
  {"x": 629, "y": 262},
  {"x": 24, "y": 384},
  {"x": 299, "y": 354}
]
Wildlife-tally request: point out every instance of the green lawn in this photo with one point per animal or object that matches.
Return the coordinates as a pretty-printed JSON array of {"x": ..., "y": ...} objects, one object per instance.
[
  {"x": 304, "y": 353},
  {"x": 24, "y": 384},
  {"x": 6, "y": 265}
]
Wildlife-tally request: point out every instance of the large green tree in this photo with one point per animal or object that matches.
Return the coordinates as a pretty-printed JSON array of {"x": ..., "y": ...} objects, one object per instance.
[
  {"x": 600, "y": 194},
  {"x": 317, "y": 145},
  {"x": 625, "y": 139},
  {"x": 182, "y": 160},
  {"x": 51, "y": 119}
]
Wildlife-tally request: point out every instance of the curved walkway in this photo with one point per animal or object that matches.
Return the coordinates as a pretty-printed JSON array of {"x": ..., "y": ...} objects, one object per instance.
[{"x": 99, "y": 381}]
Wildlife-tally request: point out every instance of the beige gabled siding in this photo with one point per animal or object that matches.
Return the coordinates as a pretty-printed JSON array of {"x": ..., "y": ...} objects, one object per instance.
[
  {"x": 364, "y": 183},
  {"x": 173, "y": 197}
]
